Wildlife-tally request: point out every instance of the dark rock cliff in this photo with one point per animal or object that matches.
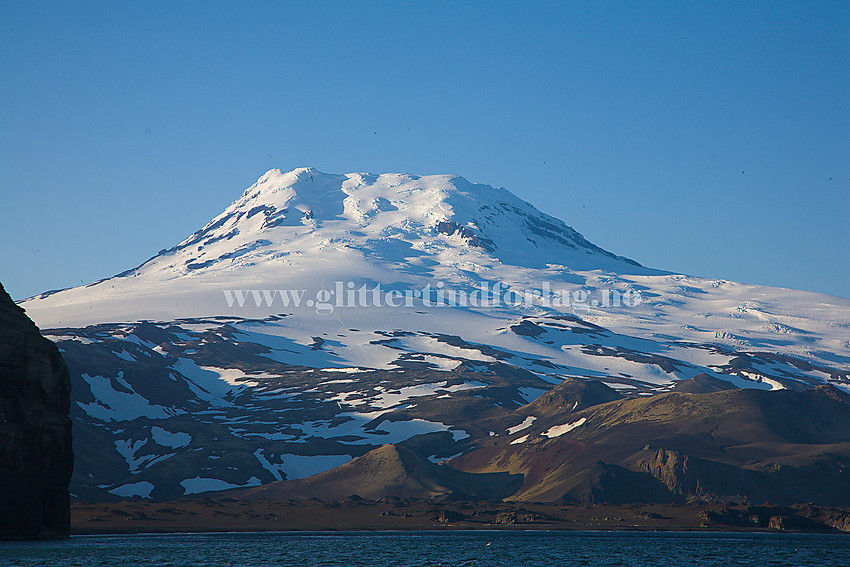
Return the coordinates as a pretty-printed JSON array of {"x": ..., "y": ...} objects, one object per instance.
[{"x": 36, "y": 459}]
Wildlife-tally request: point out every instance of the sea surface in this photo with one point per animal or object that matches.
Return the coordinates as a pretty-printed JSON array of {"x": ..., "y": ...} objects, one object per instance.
[{"x": 468, "y": 549}]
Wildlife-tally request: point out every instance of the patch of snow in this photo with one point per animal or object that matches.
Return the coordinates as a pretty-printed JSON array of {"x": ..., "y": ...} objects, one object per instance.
[
  {"x": 620, "y": 386},
  {"x": 271, "y": 436},
  {"x": 388, "y": 398},
  {"x": 559, "y": 430},
  {"x": 274, "y": 469},
  {"x": 302, "y": 466},
  {"x": 530, "y": 394},
  {"x": 113, "y": 405},
  {"x": 197, "y": 485},
  {"x": 386, "y": 432},
  {"x": 134, "y": 339},
  {"x": 756, "y": 377},
  {"x": 169, "y": 439},
  {"x": 211, "y": 379},
  {"x": 78, "y": 339},
  {"x": 435, "y": 459},
  {"x": 459, "y": 434},
  {"x": 343, "y": 381},
  {"x": 142, "y": 489},
  {"x": 236, "y": 377},
  {"x": 128, "y": 449},
  {"x": 524, "y": 425},
  {"x": 124, "y": 355}
]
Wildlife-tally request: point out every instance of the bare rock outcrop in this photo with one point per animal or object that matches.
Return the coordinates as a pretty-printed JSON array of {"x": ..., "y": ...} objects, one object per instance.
[{"x": 36, "y": 459}]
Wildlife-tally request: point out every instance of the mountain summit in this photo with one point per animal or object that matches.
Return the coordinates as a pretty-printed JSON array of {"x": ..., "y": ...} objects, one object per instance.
[{"x": 390, "y": 217}]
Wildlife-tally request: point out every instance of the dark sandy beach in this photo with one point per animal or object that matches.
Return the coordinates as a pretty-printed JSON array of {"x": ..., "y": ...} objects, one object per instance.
[{"x": 227, "y": 514}]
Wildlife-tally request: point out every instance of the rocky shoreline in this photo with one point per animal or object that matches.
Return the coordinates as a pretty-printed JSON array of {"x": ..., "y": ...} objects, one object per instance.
[{"x": 356, "y": 514}]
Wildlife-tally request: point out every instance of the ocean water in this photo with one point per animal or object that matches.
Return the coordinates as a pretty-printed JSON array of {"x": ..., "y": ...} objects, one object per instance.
[{"x": 466, "y": 549}]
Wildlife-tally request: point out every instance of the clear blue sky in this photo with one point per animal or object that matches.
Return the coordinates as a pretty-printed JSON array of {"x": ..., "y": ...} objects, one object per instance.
[{"x": 697, "y": 137}]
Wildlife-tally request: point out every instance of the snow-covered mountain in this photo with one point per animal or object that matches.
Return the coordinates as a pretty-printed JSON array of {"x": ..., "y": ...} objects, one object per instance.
[
  {"x": 320, "y": 316},
  {"x": 306, "y": 229}
]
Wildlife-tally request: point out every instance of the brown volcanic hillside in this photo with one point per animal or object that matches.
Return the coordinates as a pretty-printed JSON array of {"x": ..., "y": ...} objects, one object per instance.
[
  {"x": 745, "y": 446},
  {"x": 702, "y": 384},
  {"x": 390, "y": 471},
  {"x": 573, "y": 394},
  {"x": 739, "y": 445}
]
